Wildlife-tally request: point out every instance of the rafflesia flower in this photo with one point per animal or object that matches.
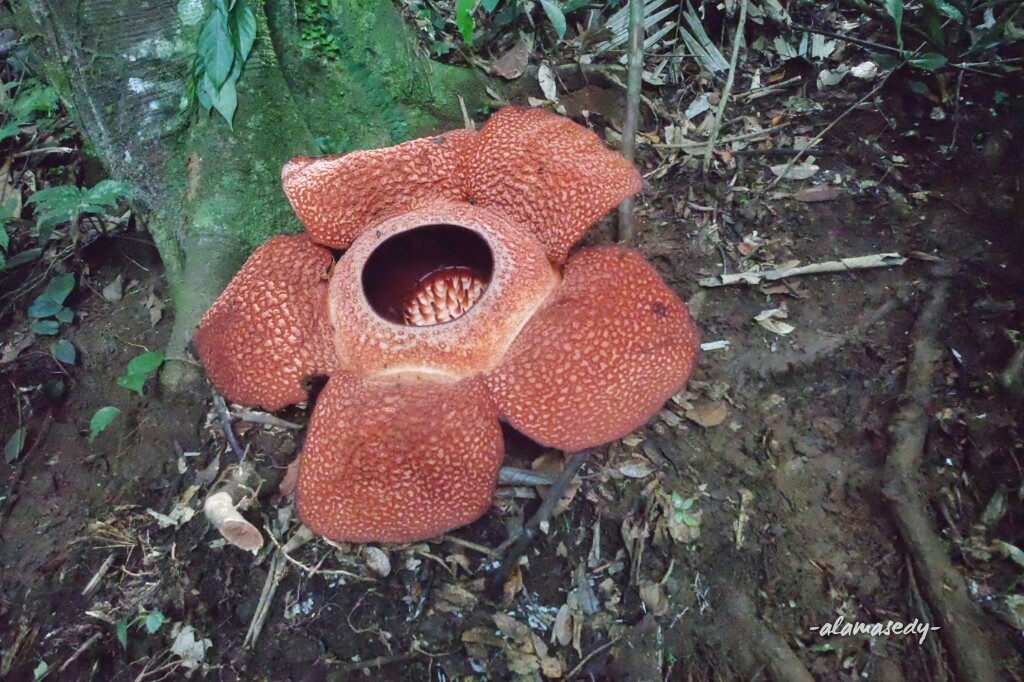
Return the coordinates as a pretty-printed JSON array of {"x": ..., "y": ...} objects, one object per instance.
[{"x": 455, "y": 304}]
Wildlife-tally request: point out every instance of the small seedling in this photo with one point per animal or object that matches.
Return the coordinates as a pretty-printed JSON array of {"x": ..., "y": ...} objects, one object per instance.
[
  {"x": 101, "y": 420},
  {"x": 64, "y": 351},
  {"x": 681, "y": 507},
  {"x": 139, "y": 369},
  {"x": 150, "y": 620}
]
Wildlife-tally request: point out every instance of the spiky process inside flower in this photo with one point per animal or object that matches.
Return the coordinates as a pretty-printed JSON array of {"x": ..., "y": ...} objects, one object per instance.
[{"x": 444, "y": 296}]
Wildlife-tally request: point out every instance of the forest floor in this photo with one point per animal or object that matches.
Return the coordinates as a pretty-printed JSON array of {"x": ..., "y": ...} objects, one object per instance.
[{"x": 760, "y": 505}]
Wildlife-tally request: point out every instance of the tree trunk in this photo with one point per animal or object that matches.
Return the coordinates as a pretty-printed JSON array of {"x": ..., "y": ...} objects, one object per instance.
[{"x": 211, "y": 194}]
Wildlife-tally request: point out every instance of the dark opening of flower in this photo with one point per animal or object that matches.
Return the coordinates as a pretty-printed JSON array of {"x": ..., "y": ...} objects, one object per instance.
[{"x": 428, "y": 275}]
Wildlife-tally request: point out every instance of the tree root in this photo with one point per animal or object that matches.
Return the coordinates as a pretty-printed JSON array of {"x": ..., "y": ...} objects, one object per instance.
[
  {"x": 749, "y": 644},
  {"x": 975, "y": 656}
]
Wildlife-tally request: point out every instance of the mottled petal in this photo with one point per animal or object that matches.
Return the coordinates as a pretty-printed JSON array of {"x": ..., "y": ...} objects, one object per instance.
[
  {"x": 338, "y": 198},
  {"x": 547, "y": 173},
  {"x": 269, "y": 331},
  {"x": 398, "y": 462},
  {"x": 599, "y": 359}
]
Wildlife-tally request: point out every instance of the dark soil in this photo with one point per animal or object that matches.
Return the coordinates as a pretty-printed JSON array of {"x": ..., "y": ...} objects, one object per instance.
[{"x": 793, "y": 529}]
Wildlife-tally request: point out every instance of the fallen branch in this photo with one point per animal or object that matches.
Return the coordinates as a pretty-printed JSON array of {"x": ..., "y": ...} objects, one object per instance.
[
  {"x": 518, "y": 543},
  {"x": 974, "y": 655},
  {"x": 878, "y": 260}
]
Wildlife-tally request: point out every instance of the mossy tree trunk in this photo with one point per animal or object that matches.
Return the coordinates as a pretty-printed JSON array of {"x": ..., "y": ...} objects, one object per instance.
[{"x": 211, "y": 194}]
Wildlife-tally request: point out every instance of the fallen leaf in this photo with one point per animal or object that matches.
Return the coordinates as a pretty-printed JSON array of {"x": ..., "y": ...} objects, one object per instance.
[
  {"x": 818, "y": 193},
  {"x": 14, "y": 348},
  {"x": 637, "y": 468},
  {"x": 708, "y": 414},
  {"x": 114, "y": 291},
  {"x": 512, "y": 64},
  {"x": 187, "y": 647},
  {"x": 546, "y": 80},
  {"x": 654, "y": 598},
  {"x": 799, "y": 171},
  {"x": 772, "y": 321}
]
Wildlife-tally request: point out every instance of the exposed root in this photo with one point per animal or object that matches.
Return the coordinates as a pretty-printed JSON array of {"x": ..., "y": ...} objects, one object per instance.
[
  {"x": 278, "y": 567},
  {"x": 749, "y": 644},
  {"x": 975, "y": 656}
]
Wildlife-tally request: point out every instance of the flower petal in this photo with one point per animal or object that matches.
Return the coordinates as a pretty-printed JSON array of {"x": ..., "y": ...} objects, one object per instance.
[
  {"x": 547, "y": 173},
  {"x": 268, "y": 332},
  {"x": 339, "y": 197},
  {"x": 600, "y": 358},
  {"x": 398, "y": 462}
]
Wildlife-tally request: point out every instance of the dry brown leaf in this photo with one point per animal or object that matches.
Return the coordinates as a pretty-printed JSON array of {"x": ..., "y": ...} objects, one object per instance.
[
  {"x": 654, "y": 597},
  {"x": 561, "y": 631},
  {"x": 818, "y": 193},
  {"x": 14, "y": 348},
  {"x": 512, "y": 586},
  {"x": 512, "y": 64},
  {"x": 512, "y": 628},
  {"x": 114, "y": 291},
  {"x": 708, "y": 414},
  {"x": 455, "y": 599}
]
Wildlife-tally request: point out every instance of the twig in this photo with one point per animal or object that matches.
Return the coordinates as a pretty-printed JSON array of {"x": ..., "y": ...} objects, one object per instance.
[
  {"x": 517, "y": 543},
  {"x": 715, "y": 128},
  {"x": 379, "y": 662},
  {"x": 752, "y": 135},
  {"x": 79, "y": 651},
  {"x": 512, "y": 476},
  {"x": 586, "y": 659},
  {"x": 877, "y": 260},
  {"x": 225, "y": 423},
  {"x": 278, "y": 567},
  {"x": 264, "y": 418},
  {"x": 42, "y": 150},
  {"x": 974, "y": 655},
  {"x": 634, "y": 76},
  {"x": 486, "y": 551}
]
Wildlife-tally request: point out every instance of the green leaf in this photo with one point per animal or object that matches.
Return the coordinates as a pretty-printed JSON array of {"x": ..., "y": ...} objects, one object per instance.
[
  {"x": 895, "y": 10},
  {"x": 950, "y": 11},
  {"x": 464, "y": 20},
  {"x": 65, "y": 315},
  {"x": 226, "y": 101},
  {"x": 23, "y": 257},
  {"x": 555, "y": 16},
  {"x": 215, "y": 48},
  {"x": 60, "y": 286},
  {"x": 101, "y": 420},
  {"x": 929, "y": 61},
  {"x": 64, "y": 351},
  {"x": 40, "y": 671},
  {"x": 122, "y": 632},
  {"x": 44, "y": 327},
  {"x": 106, "y": 193},
  {"x": 245, "y": 31},
  {"x": 5, "y": 239},
  {"x": 44, "y": 307},
  {"x": 14, "y": 445},
  {"x": 10, "y": 129},
  {"x": 139, "y": 369},
  {"x": 153, "y": 621},
  {"x": 489, "y": 5}
]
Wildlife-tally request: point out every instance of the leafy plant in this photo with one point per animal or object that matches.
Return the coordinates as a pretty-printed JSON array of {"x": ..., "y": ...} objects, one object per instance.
[
  {"x": 48, "y": 311},
  {"x": 150, "y": 620},
  {"x": 555, "y": 12},
  {"x": 30, "y": 100},
  {"x": 315, "y": 29},
  {"x": 224, "y": 44},
  {"x": 139, "y": 369},
  {"x": 67, "y": 204},
  {"x": 681, "y": 508}
]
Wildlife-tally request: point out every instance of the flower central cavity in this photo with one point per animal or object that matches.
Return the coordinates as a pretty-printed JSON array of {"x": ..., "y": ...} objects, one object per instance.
[
  {"x": 443, "y": 296},
  {"x": 428, "y": 275}
]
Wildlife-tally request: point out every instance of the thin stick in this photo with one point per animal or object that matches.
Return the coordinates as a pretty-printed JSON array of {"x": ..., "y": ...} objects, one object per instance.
[
  {"x": 225, "y": 423},
  {"x": 586, "y": 659},
  {"x": 878, "y": 260},
  {"x": 79, "y": 651},
  {"x": 752, "y": 135},
  {"x": 634, "y": 76},
  {"x": 519, "y": 542},
  {"x": 264, "y": 418},
  {"x": 728, "y": 86}
]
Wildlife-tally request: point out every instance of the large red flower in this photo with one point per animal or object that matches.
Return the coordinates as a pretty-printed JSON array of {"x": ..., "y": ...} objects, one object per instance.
[{"x": 455, "y": 304}]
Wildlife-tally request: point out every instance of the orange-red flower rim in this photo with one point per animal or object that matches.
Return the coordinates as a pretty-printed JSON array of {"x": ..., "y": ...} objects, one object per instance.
[{"x": 455, "y": 304}]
